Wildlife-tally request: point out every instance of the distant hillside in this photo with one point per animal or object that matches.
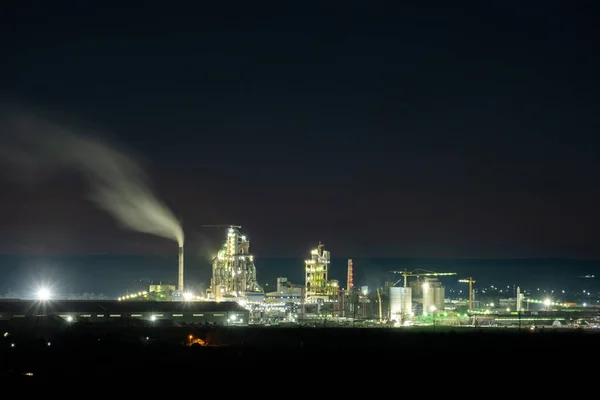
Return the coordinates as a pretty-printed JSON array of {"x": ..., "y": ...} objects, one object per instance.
[{"x": 113, "y": 275}]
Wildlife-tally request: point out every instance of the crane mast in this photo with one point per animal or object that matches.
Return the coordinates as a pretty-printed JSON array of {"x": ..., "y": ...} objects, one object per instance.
[{"x": 470, "y": 281}]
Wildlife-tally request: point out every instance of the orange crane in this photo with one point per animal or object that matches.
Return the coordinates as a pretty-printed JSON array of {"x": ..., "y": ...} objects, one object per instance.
[
  {"x": 470, "y": 281},
  {"x": 419, "y": 272}
]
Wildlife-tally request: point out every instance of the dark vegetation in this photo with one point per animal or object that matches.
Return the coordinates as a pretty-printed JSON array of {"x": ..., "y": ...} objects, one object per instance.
[{"x": 89, "y": 351}]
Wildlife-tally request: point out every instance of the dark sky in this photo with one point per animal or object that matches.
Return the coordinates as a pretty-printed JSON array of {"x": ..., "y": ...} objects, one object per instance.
[{"x": 382, "y": 131}]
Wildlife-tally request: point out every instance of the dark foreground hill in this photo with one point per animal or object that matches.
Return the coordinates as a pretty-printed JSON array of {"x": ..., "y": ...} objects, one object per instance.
[{"x": 165, "y": 352}]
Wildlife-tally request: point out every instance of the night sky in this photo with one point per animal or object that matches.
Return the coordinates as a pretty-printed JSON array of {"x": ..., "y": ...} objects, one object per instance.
[{"x": 397, "y": 131}]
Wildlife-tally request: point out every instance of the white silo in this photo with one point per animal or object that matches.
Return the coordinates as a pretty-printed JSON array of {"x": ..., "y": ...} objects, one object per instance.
[
  {"x": 439, "y": 293},
  {"x": 428, "y": 297},
  {"x": 400, "y": 302}
]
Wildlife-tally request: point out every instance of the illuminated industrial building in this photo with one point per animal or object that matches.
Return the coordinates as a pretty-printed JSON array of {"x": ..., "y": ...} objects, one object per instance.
[
  {"x": 318, "y": 287},
  {"x": 155, "y": 292},
  {"x": 161, "y": 292},
  {"x": 233, "y": 269},
  {"x": 286, "y": 293},
  {"x": 286, "y": 303}
]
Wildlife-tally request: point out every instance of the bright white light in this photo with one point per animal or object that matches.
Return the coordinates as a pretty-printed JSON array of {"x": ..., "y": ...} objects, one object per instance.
[
  {"x": 188, "y": 296},
  {"x": 153, "y": 318},
  {"x": 69, "y": 318},
  {"x": 44, "y": 294},
  {"x": 547, "y": 302}
]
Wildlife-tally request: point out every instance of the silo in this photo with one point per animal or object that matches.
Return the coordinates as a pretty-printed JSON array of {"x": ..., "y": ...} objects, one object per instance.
[
  {"x": 438, "y": 297},
  {"x": 428, "y": 297},
  {"x": 400, "y": 302}
]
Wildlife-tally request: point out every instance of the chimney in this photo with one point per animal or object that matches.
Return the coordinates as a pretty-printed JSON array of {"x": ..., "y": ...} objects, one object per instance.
[{"x": 180, "y": 277}]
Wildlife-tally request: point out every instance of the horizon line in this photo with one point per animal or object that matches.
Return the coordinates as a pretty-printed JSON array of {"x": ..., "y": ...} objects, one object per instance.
[{"x": 109, "y": 254}]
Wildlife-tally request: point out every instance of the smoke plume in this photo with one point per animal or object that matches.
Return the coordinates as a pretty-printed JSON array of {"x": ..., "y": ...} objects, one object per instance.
[{"x": 116, "y": 183}]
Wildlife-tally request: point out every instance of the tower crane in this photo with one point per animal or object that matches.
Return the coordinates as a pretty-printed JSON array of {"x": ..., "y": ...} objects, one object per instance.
[
  {"x": 222, "y": 226},
  {"x": 419, "y": 272},
  {"x": 470, "y": 281}
]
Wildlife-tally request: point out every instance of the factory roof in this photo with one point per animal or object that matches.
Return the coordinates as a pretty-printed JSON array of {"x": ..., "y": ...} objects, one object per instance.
[{"x": 114, "y": 306}]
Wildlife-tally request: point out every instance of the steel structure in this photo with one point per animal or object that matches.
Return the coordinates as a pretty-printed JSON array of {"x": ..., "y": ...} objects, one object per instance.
[
  {"x": 350, "y": 279},
  {"x": 470, "y": 281},
  {"x": 418, "y": 273},
  {"x": 233, "y": 269},
  {"x": 520, "y": 298}
]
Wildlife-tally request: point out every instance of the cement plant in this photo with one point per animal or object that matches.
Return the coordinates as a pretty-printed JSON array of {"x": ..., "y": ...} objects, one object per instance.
[
  {"x": 168, "y": 331},
  {"x": 410, "y": 299}
]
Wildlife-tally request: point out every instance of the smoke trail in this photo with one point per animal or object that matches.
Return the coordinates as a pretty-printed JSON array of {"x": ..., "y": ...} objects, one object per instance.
[{"x": 117, "y": 184}]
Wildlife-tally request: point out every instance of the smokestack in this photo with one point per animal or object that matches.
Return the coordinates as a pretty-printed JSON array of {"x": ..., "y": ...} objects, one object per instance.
[
  {"x": 180, "y": 278},
  {"x": 350, "y": 282}
]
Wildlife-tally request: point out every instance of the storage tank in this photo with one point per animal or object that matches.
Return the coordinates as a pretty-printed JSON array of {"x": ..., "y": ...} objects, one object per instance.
[
  {"x": 428, "y": 297},
  {"x": 400, "y": 302},
  {"x": 438, "y": 297}
]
